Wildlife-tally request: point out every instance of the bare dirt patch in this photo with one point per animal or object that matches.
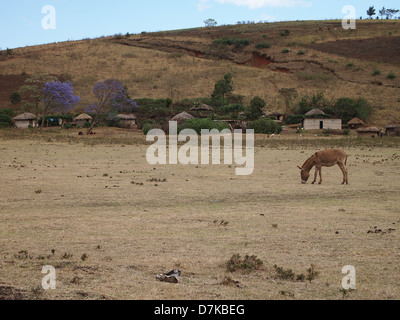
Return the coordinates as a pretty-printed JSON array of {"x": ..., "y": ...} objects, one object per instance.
[{"x": 380, "y": 49}]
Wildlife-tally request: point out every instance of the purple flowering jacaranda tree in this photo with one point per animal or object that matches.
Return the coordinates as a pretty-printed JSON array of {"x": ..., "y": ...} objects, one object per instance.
[
  {"x": 111, "y": 95},
  {"x": 58, "y": 97}
]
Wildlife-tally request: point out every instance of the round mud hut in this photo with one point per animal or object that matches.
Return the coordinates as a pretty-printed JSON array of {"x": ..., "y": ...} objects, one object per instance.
[
  {"x": 127, "y": 120},
  {"x": 182, "y": 117},
  {"x": 355, "y": 123},
  {"x": 82, "y": 119},
  {"x": 25, "y": 120}
]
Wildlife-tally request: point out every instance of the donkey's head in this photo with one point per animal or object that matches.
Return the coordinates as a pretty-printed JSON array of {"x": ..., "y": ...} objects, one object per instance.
[{"x": 304, "y": 175}]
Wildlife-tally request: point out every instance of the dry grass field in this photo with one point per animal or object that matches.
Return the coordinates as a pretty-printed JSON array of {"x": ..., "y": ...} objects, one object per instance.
[{"x": 93, "y": 208}]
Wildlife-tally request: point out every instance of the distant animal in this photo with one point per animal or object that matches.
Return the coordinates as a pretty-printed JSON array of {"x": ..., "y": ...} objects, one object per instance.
[{"x": 325, "y": 158}]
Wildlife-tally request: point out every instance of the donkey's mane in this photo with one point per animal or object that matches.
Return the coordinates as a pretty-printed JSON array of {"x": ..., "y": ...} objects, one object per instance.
[{"x": 308, "y": 163}]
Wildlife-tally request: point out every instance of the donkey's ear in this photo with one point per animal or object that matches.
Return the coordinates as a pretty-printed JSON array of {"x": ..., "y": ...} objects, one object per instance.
[{"x": 300, "y": 168}]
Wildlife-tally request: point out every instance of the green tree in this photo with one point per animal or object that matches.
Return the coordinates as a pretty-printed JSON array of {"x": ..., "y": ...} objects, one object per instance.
[
  {"x": 371, "y": 11},
  {"x": 223, "y": 88},
  {"x": 288, "y": 94},
  {"x": 254, "y": 111},
  {"x": 308, "y": 103},
  {"x": 32, "y": 91},
  {"x": 15, "y": 97},
  {"x": 348, "y": 108},
  {"x": 210, "y": 23}
]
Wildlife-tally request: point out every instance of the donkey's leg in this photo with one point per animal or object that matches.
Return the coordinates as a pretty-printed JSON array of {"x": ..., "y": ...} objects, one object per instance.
[
  {"x": 315, "y": 174},
  {"x": 320, "y": 175},
  {"x": 344, "y": 171},
  {"x": 347, "y": 173}
]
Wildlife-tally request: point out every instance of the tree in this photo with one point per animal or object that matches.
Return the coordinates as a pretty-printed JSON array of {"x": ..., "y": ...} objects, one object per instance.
[
  {"x": 32, "y": 91},
  {"x": 382, "y": 12},
  {"x": 223, "y": 87},
  {"x": 371, "y": 11},
  {"x": 210, "y": 23},
  {"x": 348, "y": 108},
  {"x": 288, "y": 94},
  {"x": 58, "y": 97},
  {"x": 254, "y": 111},
  {"x": 390, "y": 13},
  {"x": 111, "y": 95},
  {"x": 15, "y": 97},
  {"x": 317, "y": 101}
]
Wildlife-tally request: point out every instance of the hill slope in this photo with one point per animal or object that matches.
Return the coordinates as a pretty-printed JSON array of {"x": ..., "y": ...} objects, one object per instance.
[{"x": 321, "y": 56}]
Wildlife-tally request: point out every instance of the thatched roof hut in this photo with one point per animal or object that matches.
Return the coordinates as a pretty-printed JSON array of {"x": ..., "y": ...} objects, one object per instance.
[
  {"x": 368, "y": 130},
  {"x": 128, "y": 120},
  {"x": 182, "y": 117},
  {"x": 355, "y": 123},
  {"x": 82, "y": 119},
  {"x": 202, "y": 107},
  {"x": 393, "y": 129},
  {"x": 315, "y": 112},
  {"x": 25, "y": 120},
  {"x": 126, "y": 116}
]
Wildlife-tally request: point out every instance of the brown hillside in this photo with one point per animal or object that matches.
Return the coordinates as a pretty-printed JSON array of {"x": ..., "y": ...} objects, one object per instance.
[{"x": 320, "y": 56}]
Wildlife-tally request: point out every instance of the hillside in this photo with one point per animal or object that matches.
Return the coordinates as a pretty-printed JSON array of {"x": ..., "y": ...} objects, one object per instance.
[{"x": 321, "y": 56}]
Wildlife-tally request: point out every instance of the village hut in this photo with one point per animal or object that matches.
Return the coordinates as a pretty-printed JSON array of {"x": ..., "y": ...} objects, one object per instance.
[
  {"x": 392, "y": 130},
  {"x": 82, "y": 119},
  {"x": 315, "y": 112},
  {"x": 355, "y": 123},
  {"x": 276, "y": 115},
  {"x": 182, "y": 117},
  {"x": 368, "y": 131},
  {"x": 201, "y": 108},
  {"x": 25, "y": 120},
  {"x": 128, "y": 120},
  {"x": 316, "y": 119}
]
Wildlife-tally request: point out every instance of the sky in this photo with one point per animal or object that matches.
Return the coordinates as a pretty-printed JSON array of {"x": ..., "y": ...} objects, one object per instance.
[{"x": 32, "y": 22}]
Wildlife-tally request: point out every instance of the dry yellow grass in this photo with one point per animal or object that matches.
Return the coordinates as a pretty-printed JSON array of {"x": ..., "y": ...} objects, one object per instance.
[{"x": 87, "y": 198}]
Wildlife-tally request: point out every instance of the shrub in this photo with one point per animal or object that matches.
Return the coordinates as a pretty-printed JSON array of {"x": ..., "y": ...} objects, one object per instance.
[
  {"x": 199, "y": 124},
  {"x": 238, "y": 43},
  {"x": 248, "y": 263},
  {"x": 284, "y": 33},
  {"x": 391, "y": 76},
  {"x": 301, "y": 53},
  {"x": 285, "y": 50},
  {"x": 376, "y": 72},
  {"x": 263, "y": 45},
  {"x": 232, "y": 108},
  {"x": 5, "y": 120},
  {"x": 294, "y": 119},
  {"x": 265, "y": 126},
  {"x": 15, "y": 97}
]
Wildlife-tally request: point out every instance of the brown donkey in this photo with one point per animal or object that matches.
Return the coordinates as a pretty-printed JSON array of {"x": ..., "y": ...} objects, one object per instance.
[{"x": 325, "y": 158}]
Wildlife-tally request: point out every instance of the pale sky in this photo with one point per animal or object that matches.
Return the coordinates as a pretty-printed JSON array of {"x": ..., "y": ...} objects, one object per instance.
[{"x": 27, "y": 22}]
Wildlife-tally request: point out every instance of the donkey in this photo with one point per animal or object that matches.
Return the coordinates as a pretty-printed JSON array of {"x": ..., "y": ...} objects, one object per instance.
[{"x": 325, "y": 158}]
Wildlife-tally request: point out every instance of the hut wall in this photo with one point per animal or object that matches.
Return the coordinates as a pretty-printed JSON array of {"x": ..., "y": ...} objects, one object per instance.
[
  {"x": 317, "y": 124},
  {"x": 25, "y": 123}
]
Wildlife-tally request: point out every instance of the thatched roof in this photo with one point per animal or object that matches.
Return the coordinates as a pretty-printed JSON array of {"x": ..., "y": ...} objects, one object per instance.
[
  {"x": 25, "y": 117},
  {"x": 203, "y": 107},
  {"x": 182, "y": 117},
  {"x": 83, "y": 116},
  {"x": 126, "y": 116},
  {"x": 355, "y": 121},
  {"x": 315, "y": 112},
  {"x": 392, "y": 126},
  {"x": 371, "y": 129}
]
